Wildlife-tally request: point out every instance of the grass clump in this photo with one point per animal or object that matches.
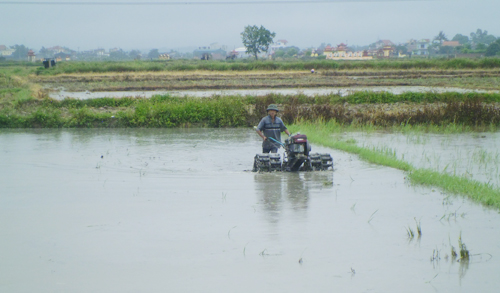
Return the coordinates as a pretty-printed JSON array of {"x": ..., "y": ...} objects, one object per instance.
[
  {"x": 464, "y": 252},
  {"x": 160, "y": 111}
]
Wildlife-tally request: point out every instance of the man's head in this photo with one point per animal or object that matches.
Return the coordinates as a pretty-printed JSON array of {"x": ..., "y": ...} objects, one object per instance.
[{"x": 272, "y": 110}]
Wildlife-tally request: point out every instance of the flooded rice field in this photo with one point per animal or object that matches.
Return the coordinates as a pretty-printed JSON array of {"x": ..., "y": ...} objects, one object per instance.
[
  {"x": 155, "y": 210},
  {"x": 473, "y": 155},
  {"x": 61, "y": 94}
]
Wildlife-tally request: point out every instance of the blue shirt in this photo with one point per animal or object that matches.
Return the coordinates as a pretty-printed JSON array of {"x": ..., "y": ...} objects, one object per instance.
[{"x": 272, "y": 129}]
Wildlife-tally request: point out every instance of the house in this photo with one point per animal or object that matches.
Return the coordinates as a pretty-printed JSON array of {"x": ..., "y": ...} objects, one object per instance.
[
  {"x": 164, "y": 56},
  {"x": 342, "y": 52},
  {"x": 7, "y": 52},
  {"x": 56, "y": 49},
  {"x": 279, "y": 44},
  {"x": 419, "y": 48},
  {"x": 387, "y": 51},
  {"x": 207, "y": 53},
  {"x": 242, "y": 52},
  {"x": 380, "y": 44},
  {"x": 31, "y": 56},
  {"x": 100, "y": 52},
  {"x": 62, "y": 57},
  {"x": 328, "y": 49},
  {"x": 314, "y": 53},
  {"x": 451, "y": 43}
]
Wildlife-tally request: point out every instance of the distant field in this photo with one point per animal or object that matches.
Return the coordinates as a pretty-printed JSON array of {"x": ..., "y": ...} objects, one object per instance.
[
  {"x": 187, "y": 80},
  {"x": 24, "y": 92},
  {"x": 249, "y": 65}
]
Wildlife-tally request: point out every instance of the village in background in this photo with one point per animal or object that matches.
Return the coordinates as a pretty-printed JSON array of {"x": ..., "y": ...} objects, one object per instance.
[{"x": 477, "y": 44}]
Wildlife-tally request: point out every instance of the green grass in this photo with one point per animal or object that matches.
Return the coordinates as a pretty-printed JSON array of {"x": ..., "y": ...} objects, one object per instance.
[
  {"x": 462, "y": 113},
  {"x": 248, "y": 64},
  {"x": 483, "y": 193}
]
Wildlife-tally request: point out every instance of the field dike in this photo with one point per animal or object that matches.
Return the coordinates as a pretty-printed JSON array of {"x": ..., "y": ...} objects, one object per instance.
[{"x": 363, "y": 108}]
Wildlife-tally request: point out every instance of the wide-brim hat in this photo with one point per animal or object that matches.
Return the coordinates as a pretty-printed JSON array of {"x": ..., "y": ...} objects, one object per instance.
[{"x": 273, "y": 107}]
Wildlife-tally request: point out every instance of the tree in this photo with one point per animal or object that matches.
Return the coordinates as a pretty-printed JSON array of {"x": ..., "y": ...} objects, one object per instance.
[
  {"x": 20, "y": 53},
  {"x": 481, "y": 36},
  {"x": 279, "y": 53},
  {"x": 446, "y": 50},
  {"x": 118, "y": 55},
  {"x": 135, "y": 54},
  {"x": 461, "y": 39},
  {"x": 441, "y": 37},
  {"x": 493, "y": 49},
  {"x": 257, "y": 40},
  {"x": 153, "y": 54},
  {"x": 481, "y": 47},
  {"x": 44, "y": 53}
]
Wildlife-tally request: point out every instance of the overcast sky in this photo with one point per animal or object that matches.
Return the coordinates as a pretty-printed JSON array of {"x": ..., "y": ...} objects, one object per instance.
[{"x": 304, "y": 24}]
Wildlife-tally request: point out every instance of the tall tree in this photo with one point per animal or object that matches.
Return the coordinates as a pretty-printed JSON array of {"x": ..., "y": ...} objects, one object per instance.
[
  {"x": 21, "y": 52},
  {"x": 135, "y": 54},
  {"x": 461, "y": 39},
  {"x": 482, "y": 37},
  {"x": 153, "y": 54},
  {"x": 43, "y": 53},
  {"x": 118, "y": 55},
  {"x": 441, "y": 37},
  {"x": 493, "y": 49},
  {"x": 257, "y": 40}
]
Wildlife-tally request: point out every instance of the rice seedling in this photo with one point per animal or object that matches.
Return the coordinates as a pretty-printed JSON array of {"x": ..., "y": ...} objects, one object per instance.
[
  {"x": 464, "y": 252},
  {"x": 453, "y": 253},
  {"x": 436, "y": 256},
  {"x": 419, "y": 227},
  {"x": 410, "y": 233},
  {"x": 432, "y": 278},
  {"x": 229, "y": 232},
  {"x": 371, "y": 216}
]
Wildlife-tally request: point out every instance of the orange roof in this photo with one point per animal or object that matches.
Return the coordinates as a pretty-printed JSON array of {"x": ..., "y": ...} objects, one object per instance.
[{"x": 451, "y": 43}]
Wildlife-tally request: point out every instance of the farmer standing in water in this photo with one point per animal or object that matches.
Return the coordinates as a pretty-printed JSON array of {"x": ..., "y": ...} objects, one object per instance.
[{"x": 271, "y": 126}]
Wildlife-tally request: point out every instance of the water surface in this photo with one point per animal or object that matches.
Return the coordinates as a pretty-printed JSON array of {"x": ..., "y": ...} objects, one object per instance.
[
  {"x": 156, "y": 210},
  {"x": 473, "y": 155},
  {"x": 342, "y": 91}
]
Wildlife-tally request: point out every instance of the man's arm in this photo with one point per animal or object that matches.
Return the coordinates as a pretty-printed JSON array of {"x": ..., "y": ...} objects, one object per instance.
[{"x": 260, "y": 133}]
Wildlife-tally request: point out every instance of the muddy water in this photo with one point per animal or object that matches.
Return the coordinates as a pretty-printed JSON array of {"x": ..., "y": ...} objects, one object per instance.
[
  {"x": 60, "y": 95},
  {"x": 175, "y": 210},
  {"x": 473, "y": 155}
]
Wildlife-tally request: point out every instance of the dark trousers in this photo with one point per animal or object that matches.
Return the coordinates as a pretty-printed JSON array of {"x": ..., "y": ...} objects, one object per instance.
[{"x": 270, "y": 150}]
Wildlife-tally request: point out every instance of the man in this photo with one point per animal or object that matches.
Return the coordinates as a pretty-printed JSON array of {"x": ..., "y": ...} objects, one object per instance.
[{"x": 271, "y": 126}]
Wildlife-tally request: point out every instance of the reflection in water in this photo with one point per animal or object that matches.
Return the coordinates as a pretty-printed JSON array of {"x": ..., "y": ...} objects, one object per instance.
[
  {"x": 462, "y": 269},
  {"x": 283, "y": 191}
]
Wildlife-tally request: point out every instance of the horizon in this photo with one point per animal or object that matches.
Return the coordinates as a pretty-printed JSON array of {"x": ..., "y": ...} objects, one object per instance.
[{"x": 168, "y": 25}]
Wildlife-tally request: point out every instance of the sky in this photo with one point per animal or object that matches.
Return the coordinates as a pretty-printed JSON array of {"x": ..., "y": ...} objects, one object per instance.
[{"x": 178, "y": 26}]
